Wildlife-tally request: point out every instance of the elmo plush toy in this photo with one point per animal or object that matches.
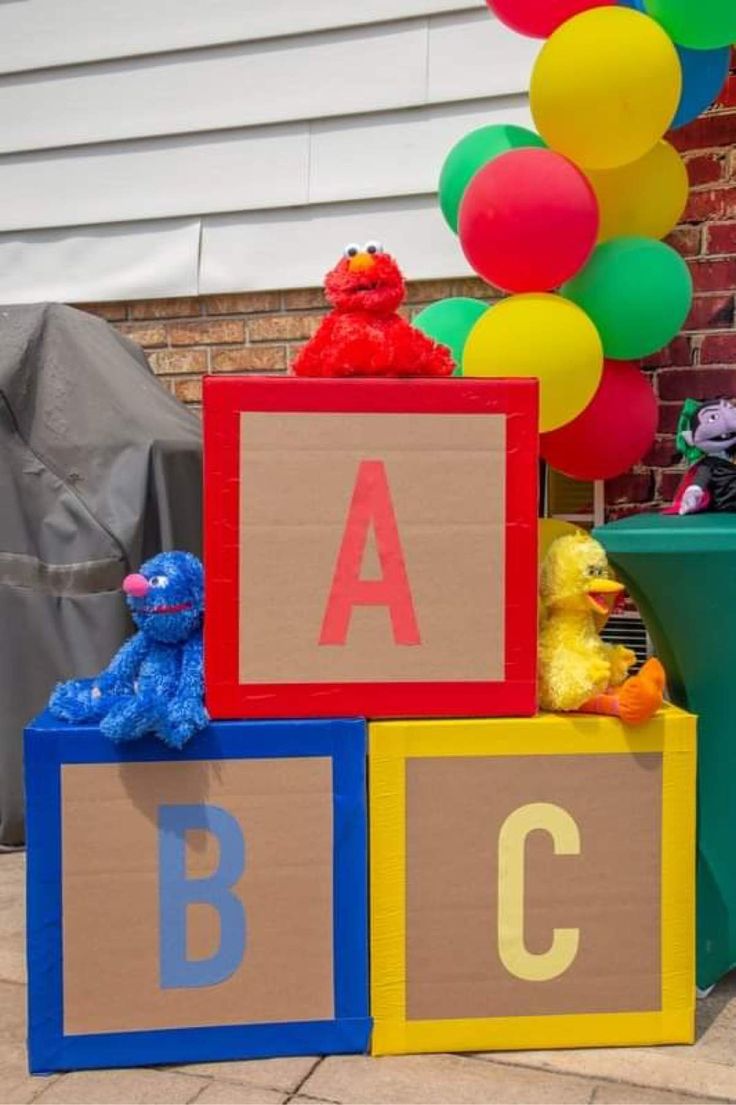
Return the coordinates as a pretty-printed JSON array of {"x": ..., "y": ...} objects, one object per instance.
[{"x": 363, "y": 335}]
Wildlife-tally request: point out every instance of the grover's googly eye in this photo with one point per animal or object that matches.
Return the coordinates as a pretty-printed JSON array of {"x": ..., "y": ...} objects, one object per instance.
[
  {"x": 373, "y": 247},
  {"x": 352, "y": 249},
  {"x": 158, "y": 581}
]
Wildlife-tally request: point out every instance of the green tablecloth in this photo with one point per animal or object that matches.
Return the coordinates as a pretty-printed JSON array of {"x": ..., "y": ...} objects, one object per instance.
[{"x": 681, "y": 572}]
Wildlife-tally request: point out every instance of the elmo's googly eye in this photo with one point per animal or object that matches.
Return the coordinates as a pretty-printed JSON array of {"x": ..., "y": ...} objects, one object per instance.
[
  {"x": 351, "y": 250},
  {"x": 158, "y": 581},
  {"x": 373, "y": 247}
]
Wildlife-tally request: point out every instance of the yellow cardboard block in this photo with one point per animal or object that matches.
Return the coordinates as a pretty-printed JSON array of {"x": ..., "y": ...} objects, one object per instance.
[{"x": 532, "y": 883}]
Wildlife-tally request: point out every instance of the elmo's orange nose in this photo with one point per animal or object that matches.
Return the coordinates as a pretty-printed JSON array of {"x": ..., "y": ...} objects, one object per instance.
[{"x": 360, "y": 262}]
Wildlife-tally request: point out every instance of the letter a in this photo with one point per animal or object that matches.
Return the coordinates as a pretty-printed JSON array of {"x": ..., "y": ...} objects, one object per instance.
[{"x": 371, "y": 505}]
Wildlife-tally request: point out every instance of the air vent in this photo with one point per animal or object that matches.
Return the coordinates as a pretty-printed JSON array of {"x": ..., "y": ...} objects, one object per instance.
[{"x": 629, "y": 630}]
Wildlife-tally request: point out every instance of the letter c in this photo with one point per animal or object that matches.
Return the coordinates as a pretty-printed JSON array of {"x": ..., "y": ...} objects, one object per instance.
[{"x": 512, "y": 950}]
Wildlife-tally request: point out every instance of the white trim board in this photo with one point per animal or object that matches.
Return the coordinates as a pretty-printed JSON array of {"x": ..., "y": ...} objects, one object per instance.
[
  {"x": 38, "y": 34},
  {"x": 94, "y": 264},
  {"x": 295, "y": 248},
  {"x": 377, "y": 68},
  {"x": 331, "y": 161},
  {"x": 286, "y": 248}
]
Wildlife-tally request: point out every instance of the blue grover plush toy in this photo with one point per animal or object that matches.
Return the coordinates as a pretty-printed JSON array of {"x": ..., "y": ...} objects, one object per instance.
[{"x": 154, "y": 684}]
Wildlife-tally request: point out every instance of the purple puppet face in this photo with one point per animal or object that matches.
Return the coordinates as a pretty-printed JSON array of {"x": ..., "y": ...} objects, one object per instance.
[{"x": 713, "y": 428}]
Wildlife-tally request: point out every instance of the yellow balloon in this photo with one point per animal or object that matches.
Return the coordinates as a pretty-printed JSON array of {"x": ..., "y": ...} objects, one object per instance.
[
  {"x": 549, "y": 529},
  {"x": 539, "y": 335},
  {"x": 644, "y": 199},
  {"x": 605, "y": 87}
]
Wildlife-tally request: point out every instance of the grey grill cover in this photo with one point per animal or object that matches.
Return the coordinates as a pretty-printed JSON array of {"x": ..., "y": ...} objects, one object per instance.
[{"x": 99, "y": 469}]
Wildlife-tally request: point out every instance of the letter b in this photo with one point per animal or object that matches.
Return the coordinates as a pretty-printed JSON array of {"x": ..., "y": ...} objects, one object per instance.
[{"x": 177, "y": 892}]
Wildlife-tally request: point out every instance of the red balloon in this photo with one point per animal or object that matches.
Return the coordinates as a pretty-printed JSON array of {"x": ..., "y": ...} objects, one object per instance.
[
  {"x": 539, "y": 18},
  {"x": 528, "y": 220},
  {"x": 614, "y": 431}
]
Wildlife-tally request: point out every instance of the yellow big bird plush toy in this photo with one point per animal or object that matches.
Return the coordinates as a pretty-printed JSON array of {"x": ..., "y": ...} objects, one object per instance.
[{"x": 577, "y": 670}]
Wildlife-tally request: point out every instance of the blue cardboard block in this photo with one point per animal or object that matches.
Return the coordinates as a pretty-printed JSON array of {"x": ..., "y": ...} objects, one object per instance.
[{"x": 198, "y": 905}]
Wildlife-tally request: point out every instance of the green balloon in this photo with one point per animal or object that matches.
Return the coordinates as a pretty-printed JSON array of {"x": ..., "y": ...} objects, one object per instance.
[
  {"x": 449, "y": 321},
  {"x": 697, "y": 24},
  {"x": 473, "y": 152},
  {"x": 637, "y": 291}
]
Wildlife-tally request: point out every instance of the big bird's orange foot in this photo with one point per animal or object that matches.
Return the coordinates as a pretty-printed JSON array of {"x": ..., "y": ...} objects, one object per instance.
[{"x": 636, "y": 700}]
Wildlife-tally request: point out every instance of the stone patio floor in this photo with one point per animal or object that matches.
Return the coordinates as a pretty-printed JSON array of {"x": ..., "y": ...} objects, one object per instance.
[{"x": 705, "y": 1072}]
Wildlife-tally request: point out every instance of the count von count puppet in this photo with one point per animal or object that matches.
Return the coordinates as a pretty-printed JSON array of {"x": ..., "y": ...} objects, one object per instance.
[{"x": 706, "y": 437}]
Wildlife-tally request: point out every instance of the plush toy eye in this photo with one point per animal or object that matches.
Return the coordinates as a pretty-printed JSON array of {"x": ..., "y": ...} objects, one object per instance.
[
  {"x": 596, "y": 571},
  {"x": 373, "y": 247},
  {"x": 352, "y": 249},
  {"x": 158, "y": 581}
]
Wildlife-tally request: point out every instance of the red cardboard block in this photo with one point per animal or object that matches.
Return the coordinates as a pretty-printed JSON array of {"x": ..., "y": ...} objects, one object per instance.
[{"x": 370, "y": 547}]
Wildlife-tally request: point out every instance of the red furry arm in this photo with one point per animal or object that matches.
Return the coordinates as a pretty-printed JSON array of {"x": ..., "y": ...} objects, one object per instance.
[
  {"x": 312, "y": 359},
  {"x": 428, "y": 357}
]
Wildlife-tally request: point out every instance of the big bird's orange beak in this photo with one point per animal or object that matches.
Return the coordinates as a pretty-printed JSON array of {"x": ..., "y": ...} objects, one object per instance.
[
  {"x": 361, "y": 262},
  {"x": 602, "y": 594}
]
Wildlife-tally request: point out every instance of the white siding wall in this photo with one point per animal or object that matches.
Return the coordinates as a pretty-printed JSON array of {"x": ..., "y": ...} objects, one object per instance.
[{"x": 173, "y": 147}]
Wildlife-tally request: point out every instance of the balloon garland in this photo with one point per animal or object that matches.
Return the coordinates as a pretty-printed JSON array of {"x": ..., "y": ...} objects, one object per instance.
[{"x": 569, "y": 220}]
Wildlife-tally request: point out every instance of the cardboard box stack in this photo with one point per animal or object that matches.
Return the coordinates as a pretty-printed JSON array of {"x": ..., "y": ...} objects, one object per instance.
[{"x": 371, "y": 594}]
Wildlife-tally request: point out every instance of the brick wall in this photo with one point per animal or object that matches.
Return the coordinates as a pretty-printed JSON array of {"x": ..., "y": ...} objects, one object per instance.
[
  {"x": 261, "y": 331},
  {"x": 187, "y": 338},
  {"x": 701, "y": 362}
]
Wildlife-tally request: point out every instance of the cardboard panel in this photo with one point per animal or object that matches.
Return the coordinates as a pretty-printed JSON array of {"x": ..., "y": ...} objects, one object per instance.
[
  {"x": 532, "y": 883},
  {"x": 452, "y": 855},
  {"x": 446, "y": 475},
  {"x": 196, "y": 905},
  {"x": 369, "y": 547},
  {"x": 113, "y": 884}
]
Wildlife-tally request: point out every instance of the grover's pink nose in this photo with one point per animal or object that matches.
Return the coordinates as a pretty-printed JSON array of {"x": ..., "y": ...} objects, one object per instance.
[{"x": 136, "y": 585}]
